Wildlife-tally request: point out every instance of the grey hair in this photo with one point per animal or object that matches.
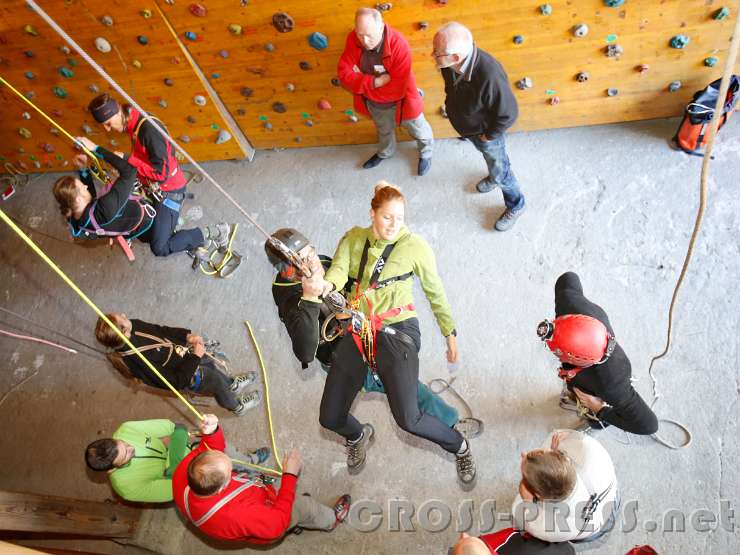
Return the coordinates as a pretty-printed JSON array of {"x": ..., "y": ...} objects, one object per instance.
[
  {"x": 459, "y": 39},
  {"x": 376, "y": 15}
]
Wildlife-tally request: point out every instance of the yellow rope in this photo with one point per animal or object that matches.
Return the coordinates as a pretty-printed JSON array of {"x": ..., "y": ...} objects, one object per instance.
[
  {"x": 228, "y": 256},
  {"x": 95, "y": 308},
  {"x": 94, "y": 157}
]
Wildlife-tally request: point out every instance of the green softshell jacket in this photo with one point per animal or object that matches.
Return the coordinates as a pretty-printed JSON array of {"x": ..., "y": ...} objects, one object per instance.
[
  {"x": 411, "y": 254},
  {"x": 145, "y": 478}
]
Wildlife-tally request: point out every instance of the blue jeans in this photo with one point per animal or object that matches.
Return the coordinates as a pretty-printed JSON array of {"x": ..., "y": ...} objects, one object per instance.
[{"x": 499, "y": 170}]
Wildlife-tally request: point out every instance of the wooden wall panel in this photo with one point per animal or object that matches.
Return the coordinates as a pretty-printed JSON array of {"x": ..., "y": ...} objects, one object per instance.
[
  {"x": 550, "y": 55},
  {"x": 81, "y": 19}
]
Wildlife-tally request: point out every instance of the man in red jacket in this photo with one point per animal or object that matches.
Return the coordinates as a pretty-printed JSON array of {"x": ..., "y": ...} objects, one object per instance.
[
  {"x": 376, "y": 67},
  {"x": 241, "y": 507}
]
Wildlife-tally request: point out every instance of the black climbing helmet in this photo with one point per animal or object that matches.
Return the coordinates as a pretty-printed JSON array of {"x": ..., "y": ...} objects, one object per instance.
[{"x": 292, "y": 239}]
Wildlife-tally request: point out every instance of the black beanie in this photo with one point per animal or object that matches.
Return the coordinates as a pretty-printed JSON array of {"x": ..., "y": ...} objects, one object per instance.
[{"x": 105, "y": 111}]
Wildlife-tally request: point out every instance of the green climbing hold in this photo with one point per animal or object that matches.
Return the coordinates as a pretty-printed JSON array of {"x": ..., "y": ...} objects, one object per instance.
[
  {"x": 304, "y": 115},
  {"x": 710, "y": 61},
  {"x": 58, "y": 157},
  {"x": 611, "y": 38},
  {"x": 59, "y": 92},
  {"x": 64, "y": 72},
  {"x": 72, "y": 62},
  {"x": 549, "y": 92},
  {"x": 349, "y": 112},
  {"x": 263, "y": 118},
  {"x": 722, "y": 13},
  {"x": 214, "y": 127},
  {"x": 31, "y": 157}
]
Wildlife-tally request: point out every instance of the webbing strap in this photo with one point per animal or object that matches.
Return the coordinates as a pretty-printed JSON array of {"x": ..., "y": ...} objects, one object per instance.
[
  {"x": 217, "y": 507},
  {"x": 158, "y": 342}
]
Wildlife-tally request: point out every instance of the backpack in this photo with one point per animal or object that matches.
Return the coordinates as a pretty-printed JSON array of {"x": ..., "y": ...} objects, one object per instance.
[{"x": 691, "y": 134}]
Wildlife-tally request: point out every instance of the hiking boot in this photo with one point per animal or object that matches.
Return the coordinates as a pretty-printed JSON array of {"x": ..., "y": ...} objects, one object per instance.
[
  {"x": 258, "y": 456},
  {"x": 485, "y": 185},
  {"x": 465, "y": 466},
  {"x": 341, "y": 509},
  {"x": 425, "y": 164},
  {"x": 220, "y": 234},
  {"x": 508, "y": 219},
  {"x": 240, "y": 383},
  {"x": 199, "y": 254},
  {"x": 248, "y": 401},
  {"x": 373, "y": 161},
  {"x": 357, "y": 450}
]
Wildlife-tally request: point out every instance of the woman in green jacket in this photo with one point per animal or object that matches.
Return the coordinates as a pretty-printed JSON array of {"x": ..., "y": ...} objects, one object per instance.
[{"x": 380, "y": 262}]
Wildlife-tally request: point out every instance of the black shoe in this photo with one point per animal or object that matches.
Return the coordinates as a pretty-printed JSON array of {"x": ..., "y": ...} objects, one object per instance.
[
  {"x": 372, "y": 162},
  {"x": 425, "y": 164}
]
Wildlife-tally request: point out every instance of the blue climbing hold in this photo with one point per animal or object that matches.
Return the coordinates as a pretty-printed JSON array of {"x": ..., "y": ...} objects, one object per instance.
[
  {"x": 64, "y": 72},
  {"x": 679, "y": 41},
  {"x": 518, "y": 39},
  {"x": 142, "y": 39},
  {"x": 190, "y": 35},
  {"x": 722, "y": 13},
  {"x": 29, "y": 54},
  {"x": 711, "y": 61},
  {"x": 613, "y": 3},
  {"x": 318, "y": 41},
  {"x": 546, "y": 9},
  {"x": 30, "y": 75}
]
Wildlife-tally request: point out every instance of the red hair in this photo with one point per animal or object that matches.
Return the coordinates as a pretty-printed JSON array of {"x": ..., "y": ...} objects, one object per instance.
[{"x": 385, "y": 192}]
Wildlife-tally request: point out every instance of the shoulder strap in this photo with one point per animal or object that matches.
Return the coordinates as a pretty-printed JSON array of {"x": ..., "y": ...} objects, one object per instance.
[
  {"x": 215, "y": 508},
  {"x": 379, "y": 265},
  {"x": 158, "y": 342}
]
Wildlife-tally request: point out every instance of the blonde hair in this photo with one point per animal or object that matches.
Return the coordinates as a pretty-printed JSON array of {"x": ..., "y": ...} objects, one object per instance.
[
  {"x": 385, "y": 192},
  {"x": 550, "y": 475}
]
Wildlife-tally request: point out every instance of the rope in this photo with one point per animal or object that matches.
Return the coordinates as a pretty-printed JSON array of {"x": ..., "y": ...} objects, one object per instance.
[
  {"x": 95, "y": 308},
  {"x": 217, "y": 267},
  {"x": 38, "y": 340},
  {"x": 100, "y": 172},
  {"x": 703, "y": 191}
]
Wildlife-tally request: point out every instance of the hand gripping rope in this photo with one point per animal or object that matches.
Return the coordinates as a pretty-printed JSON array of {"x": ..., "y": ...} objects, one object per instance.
[{"x": 292, "y": 256}]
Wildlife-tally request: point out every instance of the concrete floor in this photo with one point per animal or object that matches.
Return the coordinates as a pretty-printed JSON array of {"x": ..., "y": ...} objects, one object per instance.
[{"x": 610, "y": 202}]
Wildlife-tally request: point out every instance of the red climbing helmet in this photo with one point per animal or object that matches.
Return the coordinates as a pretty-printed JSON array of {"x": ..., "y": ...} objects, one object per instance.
[{"x": 577, "y": 339}]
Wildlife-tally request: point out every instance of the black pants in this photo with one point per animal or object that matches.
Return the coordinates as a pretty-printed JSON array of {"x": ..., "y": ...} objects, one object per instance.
[
  {"x": 398, "y": 366},
  {"x": 215, "y": 382},
  {"x": 161, "y": 237}
]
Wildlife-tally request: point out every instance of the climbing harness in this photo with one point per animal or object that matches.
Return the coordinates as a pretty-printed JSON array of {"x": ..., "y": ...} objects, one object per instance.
[
  {"x": 85, "y": 56},
  {"x": 91, "y": 229},
  {"x": 219, "y": 262},
  {"x": 469, "y": 426}
]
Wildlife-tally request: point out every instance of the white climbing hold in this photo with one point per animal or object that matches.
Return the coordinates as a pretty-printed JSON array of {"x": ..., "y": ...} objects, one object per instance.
[
  {"x": 199, "y": 99},
  {"x": 223, "y": 136},
  {"x": 102, "y": 45}
]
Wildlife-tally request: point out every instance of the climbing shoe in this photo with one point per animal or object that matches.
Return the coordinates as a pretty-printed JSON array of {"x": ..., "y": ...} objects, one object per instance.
[
  {"x": 508, "y": 219},
  {"x": 258, "y": 456},
  {"x": 465, "y": 466},
  {"x": 248, "y": 401},
  {"x": 372, "y": 162},
  {"x": 357, "y": 450},
  {"x": 341, "y": 509},
  {"x": 200, "y": 255},
  {"x": 485, "y": 185},
  {"x": 425, "y": 164},
  {"x": 241, "y": 382}
]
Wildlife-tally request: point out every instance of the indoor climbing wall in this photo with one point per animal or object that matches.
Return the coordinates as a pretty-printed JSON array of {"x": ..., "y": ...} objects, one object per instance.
[
  {"x": 132, "y": 43},
  {"x": 570, "y": 62}
]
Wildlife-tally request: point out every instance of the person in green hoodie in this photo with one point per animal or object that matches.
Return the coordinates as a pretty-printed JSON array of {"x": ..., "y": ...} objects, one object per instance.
[
  {"x": 381, "y": 261},
  {"x": 141, "y": 457}
]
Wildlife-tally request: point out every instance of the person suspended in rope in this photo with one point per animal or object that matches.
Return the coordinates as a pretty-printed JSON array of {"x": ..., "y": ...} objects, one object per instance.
[
  {"x": 158, "y": 171},
  {"x": 596, "y": 372},
  {"x": 181, "y": 357},
  {"x": 225, "y": 504},
  {"x": 384, "y": 332},
  {"x": 141, "y": 457},
  {"x": 304, "y": 315},
  {"x": 568, "y": 491}
]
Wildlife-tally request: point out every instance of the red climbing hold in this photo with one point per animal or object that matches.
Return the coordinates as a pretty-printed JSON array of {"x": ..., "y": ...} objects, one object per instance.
[
  {"x": 198, "y": 10},
  {"x": 324, "y": 104}
]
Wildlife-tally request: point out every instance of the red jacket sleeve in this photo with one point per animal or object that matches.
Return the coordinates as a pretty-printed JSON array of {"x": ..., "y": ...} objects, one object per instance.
[
  {"x": 399, "y": 70},
  {"x": 270, "y": 521},
  {"x": 355, "y": 81}
]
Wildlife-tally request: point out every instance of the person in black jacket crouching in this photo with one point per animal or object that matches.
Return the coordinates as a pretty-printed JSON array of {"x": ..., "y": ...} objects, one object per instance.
[{"x": 595, "y": 368}]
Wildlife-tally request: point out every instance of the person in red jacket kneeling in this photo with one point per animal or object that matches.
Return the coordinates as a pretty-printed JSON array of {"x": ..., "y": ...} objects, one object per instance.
[{"x": 234, "y": 506}]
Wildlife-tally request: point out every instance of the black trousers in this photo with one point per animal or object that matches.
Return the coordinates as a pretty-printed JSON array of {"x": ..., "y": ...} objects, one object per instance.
[
  {"x": 398, "y": 366},
  {"x": 217, "y": 383}
]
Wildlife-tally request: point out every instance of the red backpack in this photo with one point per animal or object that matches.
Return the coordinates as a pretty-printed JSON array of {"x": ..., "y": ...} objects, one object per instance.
[{"x": 691, "y": 134}]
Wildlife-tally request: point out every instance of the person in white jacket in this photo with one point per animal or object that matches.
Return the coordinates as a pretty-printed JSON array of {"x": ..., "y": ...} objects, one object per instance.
[{"x": 568, "y": 490}]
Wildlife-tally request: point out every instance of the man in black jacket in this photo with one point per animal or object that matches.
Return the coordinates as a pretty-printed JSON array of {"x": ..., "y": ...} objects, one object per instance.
[
  {"x": 180, "y": 357},
  {"x": 605, "y": 388},
  {"x": 481, "y": 107}
]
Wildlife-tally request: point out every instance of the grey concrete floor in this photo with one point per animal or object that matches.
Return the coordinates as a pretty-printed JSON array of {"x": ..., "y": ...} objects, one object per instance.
[{"x": 610, "y": 202}]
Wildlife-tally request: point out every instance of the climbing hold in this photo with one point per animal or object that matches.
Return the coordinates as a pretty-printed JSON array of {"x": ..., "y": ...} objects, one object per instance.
[
  {"x": 324, "y": 104},
  {"x": 142, "y": 40},
  {"x": 612, "y": 92},
  {"x": 215, "y": 75},
  {"x": 199, "y": 99},
  {"x": 257, "y": 71},
  {"x": 318, "y": 40},
  {"x": 175, "y": 60},
  {"x": 169, "y": 82},
  {"x": 269, "y": 47},
  {"x": 336, "y": 82},
  {"x": 267, "y": 125},
  {"x": 353, "y": 118},
  {"x": 554, "y": 100},
  {"x": 37, "y": 164},
  {"x": 613, "y": 3},
  {"x": 674, "y": 86},
  {"x": 30, "y": 95},
  {"x": 136, "y": 64},
  {"x": 29, "y": 53},
  {"x": 190, "y": 35},
  {"x": 289, "y": 87},
  {"x": 184, "y": 138},
  {"x": 304, "y": 65},
  {"x": 297, "y": 139},
  {"x": 611, "y": 38},
  {"x": 679, "y": 41},
  {"x": 29, "y": 75},
  {"x": 423, "y": 25},
  {"x": 107, "y": 20},
  {"x": 46, "y": 147},
  {"x": 113, "y": 142},
  {"x": 102, "y": 45},
  {"x": 546, "y": 9},
  {"x": 146, "y": 13},
  {"x": 711, "y": 61},
  {"x": 93, "y": 88},
  {"x": 31, "y": 30},
  {"x": 643, "y": 68},
  {"x": 86, "y": 129},
  {"x": 23, "y": 132},
  {"x": 198, "y": 10},
  {"x": 64, "y": 49},
  {"x": 283, "y": 22},
  {"x": 191, "y": 119},
  {"x": 223, "y": 53},
  {"x": 64, "y": 72},
  {"x": 279, "y": 107},
  {"x": 162, "y": 103},
  {"x": 26, "y": 115},
  {"x": 241, "y": 112},
  {"x": 223, "y": 136},
  {"x": 235, "y": 29},
  {"x": 582, "y": 76},
  {"x": 443, "y": 111},
  {"x": 524, "y": 83},
  {"x": 246, "y": 92},
  {"x": 59, "y": 92},
  {"x": 518, "y": 39},
  {"x": 722, "y": 13},
  {"x": 72, "y": 62},
  {"x": 384, "y": 6},
  {"x": 309, "y": 123},
  {"x": 614, "y": 51},
  {"x": 580, "y": 30}
]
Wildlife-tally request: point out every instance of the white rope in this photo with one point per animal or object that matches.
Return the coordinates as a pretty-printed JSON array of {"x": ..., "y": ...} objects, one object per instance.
[{"x": 35, "y": 7}]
